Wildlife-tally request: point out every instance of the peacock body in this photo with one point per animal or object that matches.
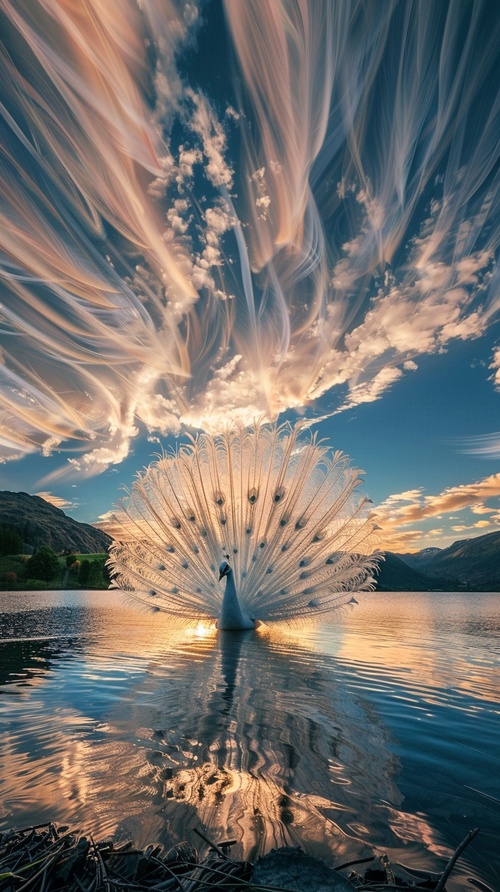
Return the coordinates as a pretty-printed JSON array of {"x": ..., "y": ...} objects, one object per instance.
[{"x": 278, "y": 509}]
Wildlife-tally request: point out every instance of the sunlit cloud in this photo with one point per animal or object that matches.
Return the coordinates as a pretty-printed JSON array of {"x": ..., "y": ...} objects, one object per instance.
[
  {"x": 57, "y": 501},
  {"x": 171, "y": 259},
  {"x": 400, "y": 510},
  {"x": 481, "y": 509},
  {"x": 480, "y": 525}
]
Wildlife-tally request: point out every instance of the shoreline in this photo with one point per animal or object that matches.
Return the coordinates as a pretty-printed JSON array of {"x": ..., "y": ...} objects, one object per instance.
[{"x": 47, "y": 857}]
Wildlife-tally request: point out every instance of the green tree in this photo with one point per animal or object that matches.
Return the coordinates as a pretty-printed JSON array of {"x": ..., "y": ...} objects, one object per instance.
[
  {"x": 105, "y": 570},
  {"x": 10, "y": 541},
  {"x": 95, "y": 579},
  {"x": 43, "y": 565},
  {"x": 83, "y": 576}
]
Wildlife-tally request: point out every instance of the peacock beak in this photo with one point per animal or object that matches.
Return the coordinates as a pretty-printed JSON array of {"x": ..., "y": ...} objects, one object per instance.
[{"x": 223, "y": 571}]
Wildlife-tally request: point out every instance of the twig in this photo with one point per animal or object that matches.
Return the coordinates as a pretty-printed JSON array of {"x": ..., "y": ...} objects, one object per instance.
[
  {"x": 456, "y": 854},
  {"x": 81, "y": 885},
  {"x": 352, "y": 863},
  {"x": 212, "y": 845},
  {"x": 39, "y": 873},
  {"x": 103, "y": 870}
]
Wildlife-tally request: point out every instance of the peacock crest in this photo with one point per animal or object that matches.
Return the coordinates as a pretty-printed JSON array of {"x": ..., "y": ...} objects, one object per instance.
[{"x": 281, "y": 509}]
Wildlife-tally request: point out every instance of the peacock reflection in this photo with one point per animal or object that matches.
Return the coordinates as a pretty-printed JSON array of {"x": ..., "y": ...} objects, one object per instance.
[{"x": 249, "y": 739}]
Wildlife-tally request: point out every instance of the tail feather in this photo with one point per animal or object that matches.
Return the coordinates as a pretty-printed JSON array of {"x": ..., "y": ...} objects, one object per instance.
[{"x": 282, "y": 509}]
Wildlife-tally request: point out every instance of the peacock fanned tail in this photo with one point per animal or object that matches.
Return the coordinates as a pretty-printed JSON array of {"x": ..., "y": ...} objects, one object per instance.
[{"x": 282, "y": 509}]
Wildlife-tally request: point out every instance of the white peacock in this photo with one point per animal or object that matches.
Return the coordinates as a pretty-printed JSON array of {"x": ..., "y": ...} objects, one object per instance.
[{"x": 279, "y": 509}]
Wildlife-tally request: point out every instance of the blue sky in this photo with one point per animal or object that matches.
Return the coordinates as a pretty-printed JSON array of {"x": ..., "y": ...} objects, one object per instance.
[{"x": 215, "y": 212}]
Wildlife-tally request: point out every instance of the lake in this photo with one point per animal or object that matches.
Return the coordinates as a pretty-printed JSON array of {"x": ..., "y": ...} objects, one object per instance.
[{"x": 378, "y": 732}]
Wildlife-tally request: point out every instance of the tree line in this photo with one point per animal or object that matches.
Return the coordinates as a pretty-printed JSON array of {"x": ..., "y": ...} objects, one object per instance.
[{"x": 46, "y": 566}]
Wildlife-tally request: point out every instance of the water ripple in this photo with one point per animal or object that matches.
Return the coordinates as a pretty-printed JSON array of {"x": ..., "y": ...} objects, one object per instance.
[{"x": 346, "y": 738}]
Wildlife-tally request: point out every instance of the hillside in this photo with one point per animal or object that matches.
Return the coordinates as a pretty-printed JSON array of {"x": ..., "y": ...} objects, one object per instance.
[
  {"x": 39, "y": 523},
  {"x": 472, "y": 564},
  {"x": 396, "y": 576}
]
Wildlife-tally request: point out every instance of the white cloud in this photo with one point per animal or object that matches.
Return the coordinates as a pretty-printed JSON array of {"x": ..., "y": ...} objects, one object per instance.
[
  {"x": 369, "y": 391},
  {"x": 495, "y": 365},
  {"x": 206, "y": 125}
]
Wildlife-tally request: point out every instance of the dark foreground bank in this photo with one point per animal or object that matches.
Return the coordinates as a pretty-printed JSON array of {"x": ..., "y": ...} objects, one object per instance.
[{"x": 48, "y": 857}]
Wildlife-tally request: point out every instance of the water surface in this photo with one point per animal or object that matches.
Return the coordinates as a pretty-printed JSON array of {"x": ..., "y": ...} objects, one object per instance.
[{"x": 378, "y": 732}]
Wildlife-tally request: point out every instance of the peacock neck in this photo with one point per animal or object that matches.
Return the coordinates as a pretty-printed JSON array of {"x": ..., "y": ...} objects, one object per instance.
[{"x": 232, "y": 616}]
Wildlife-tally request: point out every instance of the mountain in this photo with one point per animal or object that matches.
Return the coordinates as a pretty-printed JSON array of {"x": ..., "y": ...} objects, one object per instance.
[
  {"x": 40, "y": 523},
  {"x": 472, "y": 564},
  {"x": 396, "y": 576},
  {"x": 419, "y": 559}
]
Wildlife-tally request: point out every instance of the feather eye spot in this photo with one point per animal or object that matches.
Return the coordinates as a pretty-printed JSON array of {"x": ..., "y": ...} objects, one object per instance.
[
  {"x": 192, "y": 517},
  {"x": 171, "y": 549},
  {"x": 248, "y": 531},
  {"x": 203, "y": 533},
  {"x": 175, "y": 590},
  {"x": 284, "y": 547},
  {"x": 196, "y": 549},
  {"x": 219, "y": 498},
  {"x": 304, "y": 562},
  {"x": 262, "y": 544},
  {"x": 161, "y": 567},
  {"x": 176, "y": 523},
  {"x": 305, "y": 574},
  {"x": 254, "y": 557},
  {"x": 235, "y": 551},
  {"x": 185, "y": 565},
  {"x": 284, "y": 591},
  {"x": 279, "y": 494},
  {"x": 253, "y": 495},
  {"x": 152, "y": 592},
  {"x": 269, "y": 570}
]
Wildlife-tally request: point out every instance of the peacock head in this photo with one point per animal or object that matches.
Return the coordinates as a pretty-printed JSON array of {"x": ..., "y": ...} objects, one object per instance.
[{"x": 224, "y": 569}]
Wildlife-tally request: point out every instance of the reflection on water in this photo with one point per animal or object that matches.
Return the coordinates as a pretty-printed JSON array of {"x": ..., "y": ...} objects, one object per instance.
[{"x": 379, "y": 732}]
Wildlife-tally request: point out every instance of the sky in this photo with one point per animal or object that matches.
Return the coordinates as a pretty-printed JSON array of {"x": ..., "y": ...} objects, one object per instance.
[{"x": 226, "y": 211}]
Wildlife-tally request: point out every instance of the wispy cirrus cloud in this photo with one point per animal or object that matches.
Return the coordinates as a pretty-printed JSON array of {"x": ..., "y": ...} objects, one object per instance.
[
  {"x": 167, "y": 257},
  {"x": 484, "y": 445},
  {"x": 57, "y": 501}
]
